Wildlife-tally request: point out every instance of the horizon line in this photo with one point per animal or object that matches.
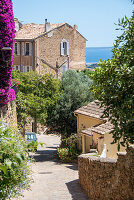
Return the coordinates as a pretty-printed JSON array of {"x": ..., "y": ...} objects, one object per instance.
[{"x": 100, "y": 47}]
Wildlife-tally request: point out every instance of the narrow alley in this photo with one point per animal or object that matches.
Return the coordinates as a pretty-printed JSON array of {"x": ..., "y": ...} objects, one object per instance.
[{"x": 53, "y": 180}]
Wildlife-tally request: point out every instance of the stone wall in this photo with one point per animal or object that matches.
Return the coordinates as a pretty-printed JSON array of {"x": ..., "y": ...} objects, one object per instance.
[
  {"x": 107, "y": 179},
  {"x": 8, "y": 113},
  {"x": 30, "y": 126},
  {"x": 48, "y": 48}
]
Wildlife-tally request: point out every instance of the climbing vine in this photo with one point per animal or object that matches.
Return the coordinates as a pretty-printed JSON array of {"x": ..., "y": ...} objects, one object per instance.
[{"x": 7, "y": 36}]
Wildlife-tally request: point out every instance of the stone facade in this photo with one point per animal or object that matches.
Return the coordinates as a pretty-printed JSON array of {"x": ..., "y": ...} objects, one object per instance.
[
  {"x": 107, "y": 179},
  {"x": 8, "y": 114},
  {"x": 30, "y": 126},
  {"x": 49, "y": 45}
]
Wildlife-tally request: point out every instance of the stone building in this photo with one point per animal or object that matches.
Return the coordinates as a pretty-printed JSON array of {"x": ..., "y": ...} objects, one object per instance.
[
  {"x": 51, "y": 48},
  {"x": 94, "y": 131}
]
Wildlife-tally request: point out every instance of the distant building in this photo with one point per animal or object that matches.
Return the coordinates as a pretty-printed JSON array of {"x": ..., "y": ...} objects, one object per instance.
[
  {"x": 94, "y": 131},
  {"x": 56, "y": 44}
]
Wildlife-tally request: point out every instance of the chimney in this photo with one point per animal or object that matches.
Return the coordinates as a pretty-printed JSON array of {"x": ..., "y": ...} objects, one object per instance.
[
  {"x": 18, "y": 25},
  {"x": 47, "y": 26},
  {"x": 75, "y": 27}
]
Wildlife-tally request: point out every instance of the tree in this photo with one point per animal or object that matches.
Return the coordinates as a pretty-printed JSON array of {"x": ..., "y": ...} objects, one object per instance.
[
  {"x": 75, "y": 87},
  {"x": 114, "y": 85},
  {"x": 36, "y": 97}
]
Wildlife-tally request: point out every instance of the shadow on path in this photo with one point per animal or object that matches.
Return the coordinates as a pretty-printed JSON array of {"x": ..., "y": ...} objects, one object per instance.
[
  {"x": 76, "y": 191},
  {"x": 72, "y": 166},
  {"x": 46, "y": 155}
]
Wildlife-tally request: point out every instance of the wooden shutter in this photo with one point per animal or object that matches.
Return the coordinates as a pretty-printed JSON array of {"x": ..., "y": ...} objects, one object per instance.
[
  {"x": 61, "y": 49},
  {"x": 24, "y": 69},
  {"x": 30, "y": 49},
  {"x": 23, "y": 48},
  {"x": 67, "y": 48},
  {"x": 18, "y": 48}
]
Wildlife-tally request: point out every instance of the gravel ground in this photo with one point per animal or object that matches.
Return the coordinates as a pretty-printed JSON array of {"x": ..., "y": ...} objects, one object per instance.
[{"x": 53, "y": 180}]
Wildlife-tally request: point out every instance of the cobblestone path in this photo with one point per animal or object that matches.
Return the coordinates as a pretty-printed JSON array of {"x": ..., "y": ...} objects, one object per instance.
[{"x": 53, "y": 180}]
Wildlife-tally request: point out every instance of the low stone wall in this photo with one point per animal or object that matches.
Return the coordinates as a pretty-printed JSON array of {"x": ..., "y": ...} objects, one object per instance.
[{"x": 107, "y": 179}]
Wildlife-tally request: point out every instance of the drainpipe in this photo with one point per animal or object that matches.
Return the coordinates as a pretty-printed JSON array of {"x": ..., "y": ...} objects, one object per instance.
[{"x": 68, "y": 62}]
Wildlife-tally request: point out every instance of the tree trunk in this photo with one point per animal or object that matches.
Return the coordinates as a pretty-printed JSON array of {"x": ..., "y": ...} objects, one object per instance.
[{"x": 35, "y": 125}]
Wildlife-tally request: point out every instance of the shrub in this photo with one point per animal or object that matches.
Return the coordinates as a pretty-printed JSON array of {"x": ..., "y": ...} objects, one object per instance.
[
  {"x": 67, "y": 150},
  {"x": 32, "y": 146},
  {"x": 76, "y": 93},
  {"x": 14, "y": 167}
]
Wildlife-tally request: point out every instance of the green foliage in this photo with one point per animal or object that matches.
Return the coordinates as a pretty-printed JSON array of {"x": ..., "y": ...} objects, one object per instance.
[
  {"x": 114, "y": 85},
  {"x": 37, "y": 95},
  {"x": 87, "y": 72},
  {"x": 32, "y": 146},
  {"x": 14, "y": 167},
  {"x": 68, "y": 151},
  {"x": 76, "y": 93}
]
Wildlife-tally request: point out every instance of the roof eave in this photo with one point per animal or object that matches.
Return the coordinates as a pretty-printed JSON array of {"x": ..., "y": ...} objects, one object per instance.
[
  {"x": 89, "y": 115},
  {"x": 24, "y": 40},
  {"x": 45, "y": 33},
  {"x": 58, "y": 28}
]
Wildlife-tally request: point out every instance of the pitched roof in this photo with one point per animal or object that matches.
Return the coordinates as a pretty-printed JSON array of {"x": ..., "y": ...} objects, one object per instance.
[
  {"x": 87, "y": 131},
  {"x": 103, "y": 128},
  {"x": 92, "y": 110},
  {"x": 100, "y": 129},
  {"x": 31, "y": 31}
]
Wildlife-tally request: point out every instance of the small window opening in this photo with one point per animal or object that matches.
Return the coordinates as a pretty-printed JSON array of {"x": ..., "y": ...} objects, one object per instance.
[
  {"x": 15, "y": 48},
  {"x": 27, "y": 49}
]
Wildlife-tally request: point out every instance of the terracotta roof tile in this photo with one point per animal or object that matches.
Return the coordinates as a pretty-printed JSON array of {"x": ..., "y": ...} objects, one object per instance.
[
  {"x": 103, "y": 128},
  {"x": 87, "y": 131},
  {"x": 100, "y": 129},
  {"x": 31, "y": 31},
  {"x": 92, "y": 109}
]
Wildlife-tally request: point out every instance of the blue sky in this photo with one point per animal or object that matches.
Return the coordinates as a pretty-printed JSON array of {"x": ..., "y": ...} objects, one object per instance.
[{"x": 95, "y": 18}]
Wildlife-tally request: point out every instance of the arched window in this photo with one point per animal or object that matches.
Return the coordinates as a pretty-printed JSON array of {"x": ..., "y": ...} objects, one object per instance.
[{"x": 64, "y": 47}]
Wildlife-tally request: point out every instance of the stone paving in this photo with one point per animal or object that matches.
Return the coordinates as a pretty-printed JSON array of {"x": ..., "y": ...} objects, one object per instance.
[{"x": 53, "y": 180}]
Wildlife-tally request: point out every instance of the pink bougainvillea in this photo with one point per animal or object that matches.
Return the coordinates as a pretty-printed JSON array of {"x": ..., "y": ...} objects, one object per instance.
[{"x": 7, "y": 38}]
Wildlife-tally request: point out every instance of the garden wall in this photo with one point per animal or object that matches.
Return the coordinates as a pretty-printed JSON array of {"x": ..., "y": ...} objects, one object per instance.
[{"x": 107, "y": 179}]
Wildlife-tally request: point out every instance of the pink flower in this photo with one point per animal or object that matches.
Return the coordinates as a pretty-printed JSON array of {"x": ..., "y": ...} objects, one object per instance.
[{"x": 7, "y": 38}]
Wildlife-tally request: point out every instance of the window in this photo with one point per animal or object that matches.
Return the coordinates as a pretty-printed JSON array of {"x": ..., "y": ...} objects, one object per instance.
[
  {"x": 64, "y": 47},
  {"x": 15, "y": 48},
  {"x": 17, "y": 67},
  {"x": 28, "y": 69},
  {"x": 27, "y": 49}
]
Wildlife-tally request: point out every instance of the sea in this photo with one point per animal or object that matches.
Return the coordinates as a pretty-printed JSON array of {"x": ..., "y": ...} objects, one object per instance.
[{"x": 94, "y": 54}]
